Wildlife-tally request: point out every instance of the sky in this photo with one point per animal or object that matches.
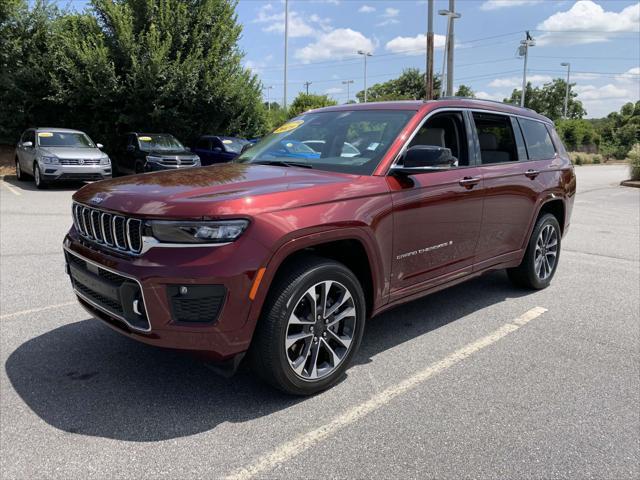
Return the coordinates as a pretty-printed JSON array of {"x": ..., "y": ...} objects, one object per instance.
[{"x": 599, "y": 38}]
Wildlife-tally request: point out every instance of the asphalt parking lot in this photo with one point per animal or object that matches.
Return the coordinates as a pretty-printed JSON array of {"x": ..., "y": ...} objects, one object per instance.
[{"x": 481, "y": 380}]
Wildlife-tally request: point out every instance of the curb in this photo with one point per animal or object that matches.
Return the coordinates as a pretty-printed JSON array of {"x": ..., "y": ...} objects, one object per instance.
[{"x": 630, "y": 183}]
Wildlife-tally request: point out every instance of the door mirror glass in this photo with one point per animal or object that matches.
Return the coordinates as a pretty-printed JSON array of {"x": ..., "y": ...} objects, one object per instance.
[
  {"x": 429, "y": 156},
  {"x": 99, "y": 145},
  {"x": 27, "y": 144}
]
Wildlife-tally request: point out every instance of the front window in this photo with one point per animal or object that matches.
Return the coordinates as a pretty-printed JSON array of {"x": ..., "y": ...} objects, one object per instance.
[
  {"x": 233, "y": 145},
  {"x": 342, "y": 141},
  {"x": 64, "y": 139},
  {"x": 154, "y": 143}
]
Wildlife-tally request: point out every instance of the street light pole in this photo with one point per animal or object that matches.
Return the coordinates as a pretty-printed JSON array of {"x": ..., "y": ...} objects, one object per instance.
[
  {"x": 347, "y": 83},
  {"x": 524, "y": 51},
  {"x": 306, "y": 84},
  {"x": 566, "y": 95},
  {"x": 451, "y": 15},
  {"x": 286, "y": 41},
  {"x": 365, "y": 55},
  {"x": 268, "y": 89},
  {"x": 429, "y": 70}
]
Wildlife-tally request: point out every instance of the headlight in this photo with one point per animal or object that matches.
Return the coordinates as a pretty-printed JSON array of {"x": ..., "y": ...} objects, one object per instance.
[
  {"x": 197, "y": 232},
  {"x": 104, "y": 161},
  {"x": 152, "y": 159},
  {"x": 49, "y": 159}
]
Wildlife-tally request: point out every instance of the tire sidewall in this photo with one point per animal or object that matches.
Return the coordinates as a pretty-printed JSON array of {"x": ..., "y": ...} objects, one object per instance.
[
  {"x": 334, "y": 272},
  {"x": 19, "y": 175},
  {"x": 37, "y": 177},
  {"x": 545, "y": 220}
]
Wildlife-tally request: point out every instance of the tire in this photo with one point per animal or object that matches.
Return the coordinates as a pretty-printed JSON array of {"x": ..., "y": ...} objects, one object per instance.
[
  {"x": 20, "y": 175},
  {"x": 37, "y": 178},
  {"x": 335, "y": 340},
  {"x": 114, "y": 170},
  {"x": 545, "y": 242},
  {"x": 139, "y": 167}
]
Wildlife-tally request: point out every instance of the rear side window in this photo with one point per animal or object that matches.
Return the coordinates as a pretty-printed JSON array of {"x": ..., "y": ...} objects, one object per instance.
[
  {"x": 497, "y": 141},
  {"x": 203, "y": 144},
  {"x": 29, "y": 136},
  {"x": 556, "y": 139},
  {"x": 539, "y": 144}
]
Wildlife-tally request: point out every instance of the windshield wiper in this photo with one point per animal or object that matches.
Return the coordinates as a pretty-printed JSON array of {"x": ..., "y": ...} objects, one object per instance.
[{"x": 282, "y": 163}]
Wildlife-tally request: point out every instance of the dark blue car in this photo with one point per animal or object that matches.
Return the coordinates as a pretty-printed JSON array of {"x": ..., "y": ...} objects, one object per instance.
[{"x": 216, "y": 149}]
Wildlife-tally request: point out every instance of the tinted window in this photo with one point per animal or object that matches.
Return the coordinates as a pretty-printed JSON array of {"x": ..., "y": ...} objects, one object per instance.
[
  {"x": 203, "y": 144},
  {"x": 64, "y": 139},
  {"x": 445, "y": 130},
  {"x": 539, "y": 145},
  {"x": 556, "y": 139},
  {"x": 369, "y": 132},
  {"x": 29, "y": 136},
  {"x": 497, "y": 141}
]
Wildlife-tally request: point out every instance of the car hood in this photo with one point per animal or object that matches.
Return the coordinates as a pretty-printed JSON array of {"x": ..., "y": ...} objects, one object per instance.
[
  {"x": 221, "y": 190},
  {"x": 72, "y": 152}
]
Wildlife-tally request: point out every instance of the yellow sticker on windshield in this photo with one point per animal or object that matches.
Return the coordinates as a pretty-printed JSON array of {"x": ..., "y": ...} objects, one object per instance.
[
  {"x": 144, "y": 139},
  {"x": 227, "y": 142},
  {"x": 287, "y": 127},
  {"x": 45, "y": 134}
]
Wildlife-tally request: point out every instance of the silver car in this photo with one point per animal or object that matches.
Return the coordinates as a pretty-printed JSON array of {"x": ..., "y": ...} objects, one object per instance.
[{"x": 60, "y": 154}]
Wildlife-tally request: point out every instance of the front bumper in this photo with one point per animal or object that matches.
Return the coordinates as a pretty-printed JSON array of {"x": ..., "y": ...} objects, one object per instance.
[
  {"x": 53, "y": 172},
  {"x": 158, "y": 275},
  {"x": 158, "y": 167}
]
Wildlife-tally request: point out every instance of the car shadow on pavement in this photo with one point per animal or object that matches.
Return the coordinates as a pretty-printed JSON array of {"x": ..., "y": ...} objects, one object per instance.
[
  {"x": 84, "y": 378},
  {"x": 28, "y": 184}
]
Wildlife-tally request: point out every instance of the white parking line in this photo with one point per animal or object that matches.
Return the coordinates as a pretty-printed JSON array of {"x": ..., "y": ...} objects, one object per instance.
[
  {"x": 296, "y": 446},
  {"x": 10, "y": 187},
  {"x": 34, "y": 310}
]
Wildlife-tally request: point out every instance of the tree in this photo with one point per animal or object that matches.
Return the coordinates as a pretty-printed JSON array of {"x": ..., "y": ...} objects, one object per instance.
[
  {"x": 619, "y": 131},
  {"x": 408, "y": 86},
  {"x": 577, "y": 133},
  {"x": 548, "y": 100},
  {"x": 309, "y": 101},
  {"x": 465, "y": 91}
]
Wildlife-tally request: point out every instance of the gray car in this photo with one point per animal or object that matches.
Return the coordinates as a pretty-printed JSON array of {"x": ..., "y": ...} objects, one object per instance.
[{"x": 60, "y": 154}]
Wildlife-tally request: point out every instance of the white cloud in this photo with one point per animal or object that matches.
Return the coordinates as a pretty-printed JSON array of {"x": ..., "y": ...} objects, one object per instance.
[
  {"x": 298, "y": 26},
  {"x": 258, "y": 66},
  {"x": 605, "y": 92},
  {"x": 496, "y": 4},
  {"x": 414, "y": 45},
  {"x": 366, "y": 9},
  {"x": 389, "y": 17},
  {"x": 630, "y": 76},
  {"x": 516, "y": 82},
  {"x": 333, "y": 91},
  {"x": 390, "y": 12},
  {"x": 588, "y": 22},
  {"x": 599, "y": 101},
  {"x": 492, "y": 96},
  {"x": 334, "y": 45}
]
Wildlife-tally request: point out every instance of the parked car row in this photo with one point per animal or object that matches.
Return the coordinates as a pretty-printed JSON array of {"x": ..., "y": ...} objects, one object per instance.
[{"x": 58, "y": 154}]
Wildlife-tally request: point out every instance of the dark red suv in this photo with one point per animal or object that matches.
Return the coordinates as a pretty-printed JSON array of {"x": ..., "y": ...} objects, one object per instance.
[{"x": 284, "y": 253}]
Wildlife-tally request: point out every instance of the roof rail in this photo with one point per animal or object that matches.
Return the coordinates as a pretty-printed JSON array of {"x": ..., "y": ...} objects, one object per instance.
[{"x": 453, "y": 97}]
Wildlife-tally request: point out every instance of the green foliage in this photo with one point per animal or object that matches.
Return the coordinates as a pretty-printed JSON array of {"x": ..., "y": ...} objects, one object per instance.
[
  {"x": 619, "y": 131},
  {"x": 548, "y": 100},
  {"x": 408, "y": 86},
  {"x": 577, "y": 133},
  {"x": 465, "y": 91},
  {"x": 309, "y": 101},
  {"x": 578, "y": 160},
  {"x": 634, "y": 164},
  {"x": 155, "y": 65}
]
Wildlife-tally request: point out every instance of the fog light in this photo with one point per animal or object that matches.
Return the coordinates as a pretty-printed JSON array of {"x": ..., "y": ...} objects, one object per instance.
[{"x": 184, "y": 290}]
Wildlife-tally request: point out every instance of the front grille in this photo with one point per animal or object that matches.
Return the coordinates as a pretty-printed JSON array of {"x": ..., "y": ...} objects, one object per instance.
[
  {"x": 196, "y": 304},
  {"x": 117, "y": 295},
  {"x": 172, "y": 162},
  {"x": 81, "y": 176},
  {"x": 114, "y": 231},
  {"x": 79, "y": 161}
]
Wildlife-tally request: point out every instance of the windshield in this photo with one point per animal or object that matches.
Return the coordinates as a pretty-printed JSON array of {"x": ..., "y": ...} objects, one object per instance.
[
  {"x": 161, "y": 142},
  {"x": 64, "y": 139},
  {"x": 345, "y": 141},
  {"x": 233, "y": 145}
]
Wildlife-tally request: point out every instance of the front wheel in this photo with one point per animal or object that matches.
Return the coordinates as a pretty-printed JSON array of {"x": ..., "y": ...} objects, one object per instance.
[
  {"x": 541, "y": 258},
  {"x": 311, "y": 327},
  {"x": 37, "y": 177}
]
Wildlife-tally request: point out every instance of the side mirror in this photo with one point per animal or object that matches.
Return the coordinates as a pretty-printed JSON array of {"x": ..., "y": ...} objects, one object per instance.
[
  {"x": 425, "y": 158},
  {"x": 99, "y": 145},
  {"x": 131, "y": 148},
  {"x": 27, "y": 144}
]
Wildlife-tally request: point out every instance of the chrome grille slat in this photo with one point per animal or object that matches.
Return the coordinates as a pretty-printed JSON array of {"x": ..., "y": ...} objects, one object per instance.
[
  {"x": 113, "y": 231},
  {"x": 76, "y": 161}
]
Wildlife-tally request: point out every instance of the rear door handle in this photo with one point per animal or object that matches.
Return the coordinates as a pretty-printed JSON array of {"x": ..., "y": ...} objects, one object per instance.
[
  {"x": 469, "y": 182},
  {"x": 532, "y": 173}
]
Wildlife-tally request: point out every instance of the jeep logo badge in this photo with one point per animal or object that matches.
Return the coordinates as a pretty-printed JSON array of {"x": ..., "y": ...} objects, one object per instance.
[
  {"x": 81, "y": 162},
  {"x": 97, "y": 200}
]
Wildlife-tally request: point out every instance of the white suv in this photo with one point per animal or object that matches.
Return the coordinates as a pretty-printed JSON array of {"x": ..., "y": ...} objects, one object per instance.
[{"x": 60, "y": 154}]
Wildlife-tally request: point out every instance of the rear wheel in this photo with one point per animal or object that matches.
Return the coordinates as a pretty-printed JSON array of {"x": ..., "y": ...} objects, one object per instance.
[
  {"x": 311, "y": 327},
  {"x": 37, "y": 178},
  {"x": 541, "y": 258},
  {"x": 20, "y": 175}
]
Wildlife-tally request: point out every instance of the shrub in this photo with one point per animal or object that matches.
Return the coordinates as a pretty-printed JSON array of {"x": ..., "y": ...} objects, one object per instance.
[
  {"x": 634, "y": 164},
  {"x": 578, "y": 160},
  {"x": 597, "y": 159}
]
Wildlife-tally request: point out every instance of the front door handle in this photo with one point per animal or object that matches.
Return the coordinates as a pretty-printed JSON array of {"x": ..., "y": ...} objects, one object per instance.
[
  {"x": 531, "y": 173},
  {"x": 469, "y": 182}
]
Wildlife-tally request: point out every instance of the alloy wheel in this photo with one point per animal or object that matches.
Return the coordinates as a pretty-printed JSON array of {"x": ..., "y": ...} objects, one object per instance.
[
  {"x": 320, "y": 330},
  {"x": 36, "y": 175},
  {"x": 18, "y": 171},
  {"x": 546, "y": 252}
]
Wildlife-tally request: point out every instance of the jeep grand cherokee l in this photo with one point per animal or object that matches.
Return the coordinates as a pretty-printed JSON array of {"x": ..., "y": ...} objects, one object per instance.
[{"x": 285, "y": 257}]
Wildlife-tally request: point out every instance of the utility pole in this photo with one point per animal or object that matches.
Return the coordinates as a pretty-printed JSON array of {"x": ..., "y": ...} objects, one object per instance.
[
  {"x": 306, "y": 85},
  {"x": 286, "y": 41},
  {"x": 524, "y": 51},
  {"x": 268, "y": 89},
  {"x": 566, "y": 95},
  {"x": 429, "y": 70},
  {"x": 365, "y": 54},
  {"x": 347, "y": 83},
  {"x": 451, "y": 15}
]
